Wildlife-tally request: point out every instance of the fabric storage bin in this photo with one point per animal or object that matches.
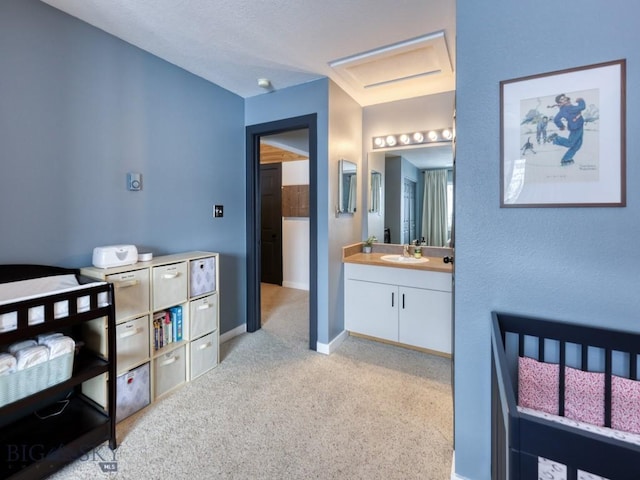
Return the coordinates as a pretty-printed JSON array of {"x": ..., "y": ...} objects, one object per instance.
[
  {"x": 34, "y": 379},
  {"x": 132, "y": 343},
  {"x": 132, "y": 292},
  {"x": 133, "y": 392},
  {"x": 202, "y": 276},
  {"x": 169, "y": 370},
  {"x": 203, "y": 315},
  {"x": 204, "y": 354},
  {"x": 169, "y": 285}
]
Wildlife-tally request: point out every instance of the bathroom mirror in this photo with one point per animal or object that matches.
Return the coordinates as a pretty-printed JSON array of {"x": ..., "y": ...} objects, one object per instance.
[
  {"x": 402, "y": 197},
  {"x": 375, "y": 192},
  {"x": 347, "y": 186}
]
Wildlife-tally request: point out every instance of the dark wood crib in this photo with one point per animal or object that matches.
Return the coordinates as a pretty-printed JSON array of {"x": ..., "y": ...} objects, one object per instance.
[{"x": 519, "y": 439}]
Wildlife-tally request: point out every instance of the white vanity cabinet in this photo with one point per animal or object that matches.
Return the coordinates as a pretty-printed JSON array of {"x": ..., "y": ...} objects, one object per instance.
[{"x": 406, "y": 306}]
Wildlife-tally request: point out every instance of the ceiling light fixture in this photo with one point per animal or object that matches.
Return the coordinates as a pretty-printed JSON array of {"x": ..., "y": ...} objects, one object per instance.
[{"x": 414, "y": 138}]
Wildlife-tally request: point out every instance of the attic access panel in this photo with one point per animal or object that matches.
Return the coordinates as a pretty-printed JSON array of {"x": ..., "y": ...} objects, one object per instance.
[{"x": 403, "y": 62}]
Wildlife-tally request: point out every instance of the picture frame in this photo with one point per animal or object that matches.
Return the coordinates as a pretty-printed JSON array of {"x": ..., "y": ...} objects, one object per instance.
[{"x": 563, "y": 138}]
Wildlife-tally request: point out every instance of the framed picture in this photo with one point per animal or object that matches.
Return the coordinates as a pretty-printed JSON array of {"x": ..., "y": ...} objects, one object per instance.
[{"x": 563, "y": 138}]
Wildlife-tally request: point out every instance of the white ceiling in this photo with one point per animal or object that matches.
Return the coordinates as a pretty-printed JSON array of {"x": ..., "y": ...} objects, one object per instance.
[{"x": 232, "y": 43}]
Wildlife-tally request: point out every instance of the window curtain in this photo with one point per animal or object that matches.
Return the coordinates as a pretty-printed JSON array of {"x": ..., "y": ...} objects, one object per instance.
[
  {"x": 434, "y": 208},
  {"x": 376, "y": 188},
  {"x": 352, "y": 194}
]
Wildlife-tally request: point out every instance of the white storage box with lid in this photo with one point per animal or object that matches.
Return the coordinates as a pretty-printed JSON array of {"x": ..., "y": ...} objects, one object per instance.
[
  {"x": 203, "y": 316},
  {"x": 133, "y": 391},
  {"x": 204, "y": 354},
  {"x": 202, "y": 276},
  {"x": 170, "y": 370},
  {"x": 114, "y": 256},
  {"x": 132, "y": 293},
  {"x": 169, "y": 285}
]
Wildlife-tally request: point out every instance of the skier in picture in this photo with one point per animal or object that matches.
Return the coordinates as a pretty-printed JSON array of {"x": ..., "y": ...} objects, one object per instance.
[
  {"x": 541, "y": 130},
  {"x": 572, "y": 116}
]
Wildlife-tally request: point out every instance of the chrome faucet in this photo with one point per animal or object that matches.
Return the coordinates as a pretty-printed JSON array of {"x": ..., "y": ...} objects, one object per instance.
[{"x": 405, "y": 251}]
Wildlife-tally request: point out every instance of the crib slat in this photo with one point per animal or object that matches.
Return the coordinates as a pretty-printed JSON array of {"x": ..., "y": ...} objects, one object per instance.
[{"x": 608, "y": 363}]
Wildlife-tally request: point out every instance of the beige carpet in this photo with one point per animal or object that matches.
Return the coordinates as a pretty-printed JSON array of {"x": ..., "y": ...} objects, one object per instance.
[{"x": 273, "y": 409}]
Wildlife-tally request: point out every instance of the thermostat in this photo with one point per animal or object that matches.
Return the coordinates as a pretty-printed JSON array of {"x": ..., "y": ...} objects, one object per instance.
[{"x": 134, "y": 181}]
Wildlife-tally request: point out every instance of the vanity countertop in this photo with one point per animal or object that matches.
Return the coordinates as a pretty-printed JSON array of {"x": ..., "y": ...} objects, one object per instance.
[{"x": 353, "y": 255}]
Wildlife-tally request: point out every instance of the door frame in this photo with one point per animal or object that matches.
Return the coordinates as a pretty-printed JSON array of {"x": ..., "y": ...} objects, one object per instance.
[{"x": 253, "y": 134}]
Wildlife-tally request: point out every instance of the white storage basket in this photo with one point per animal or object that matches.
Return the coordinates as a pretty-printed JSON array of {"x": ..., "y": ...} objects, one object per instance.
[{"x": 31, "y": 380}]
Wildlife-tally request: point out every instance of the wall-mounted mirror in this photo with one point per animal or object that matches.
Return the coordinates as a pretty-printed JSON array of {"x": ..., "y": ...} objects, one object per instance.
[
  {"x": 375, "y": 192},
  {"x": 347, "y": 186},
  {"x": 402, "y": 203}
]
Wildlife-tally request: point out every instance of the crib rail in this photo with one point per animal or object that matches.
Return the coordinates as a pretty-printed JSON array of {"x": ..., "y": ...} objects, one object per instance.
[{"x": 519, "y": 439}]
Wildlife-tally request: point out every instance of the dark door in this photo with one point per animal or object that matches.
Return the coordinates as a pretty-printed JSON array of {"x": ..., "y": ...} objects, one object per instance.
[{"x": 271, "y": 222}]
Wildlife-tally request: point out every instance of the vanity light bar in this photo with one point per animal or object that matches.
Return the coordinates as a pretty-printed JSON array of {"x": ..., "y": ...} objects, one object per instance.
[{"x": 414, "y": 138}]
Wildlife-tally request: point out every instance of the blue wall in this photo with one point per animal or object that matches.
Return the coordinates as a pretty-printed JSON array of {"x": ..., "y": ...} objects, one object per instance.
[
  {"x": 571, "y": 264},
  {"x": 305, "y": 99},
  {"x": 78, "y": 110}
]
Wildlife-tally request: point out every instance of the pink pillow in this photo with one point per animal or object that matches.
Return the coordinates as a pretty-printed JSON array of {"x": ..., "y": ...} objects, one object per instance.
[
  {"x": 625, "y": 404},
  {"x": 538, "y": 385},
  {"x": 584, "y": 396}
]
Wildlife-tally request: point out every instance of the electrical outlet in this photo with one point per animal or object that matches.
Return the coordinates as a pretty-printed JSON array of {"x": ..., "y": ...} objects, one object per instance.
[{"x": 218, "y": 211}]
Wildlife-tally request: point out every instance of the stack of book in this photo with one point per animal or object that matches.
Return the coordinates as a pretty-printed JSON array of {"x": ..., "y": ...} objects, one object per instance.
[{"x": 167, "y": 327}]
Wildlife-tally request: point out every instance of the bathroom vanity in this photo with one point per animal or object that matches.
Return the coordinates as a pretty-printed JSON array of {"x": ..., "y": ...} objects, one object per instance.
[{"x": 399, "y": 300}]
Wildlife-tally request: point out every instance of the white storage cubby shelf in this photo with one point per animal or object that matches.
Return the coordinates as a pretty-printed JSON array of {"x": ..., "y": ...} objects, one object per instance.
[{"x": 146, "y": 293}]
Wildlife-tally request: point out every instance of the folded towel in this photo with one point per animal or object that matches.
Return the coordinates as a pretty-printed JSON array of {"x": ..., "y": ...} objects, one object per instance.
[
  {"x": 31, "y": 356},
  {"x": 7, "y": 364},
  {"x": 59, "y": 345},
  {"x": 43, "y": 337},
  {"x": 14, "y": 347}
]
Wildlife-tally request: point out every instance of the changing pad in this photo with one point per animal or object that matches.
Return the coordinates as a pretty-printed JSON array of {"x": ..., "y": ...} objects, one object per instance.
[{"x": 37, "y": 287}]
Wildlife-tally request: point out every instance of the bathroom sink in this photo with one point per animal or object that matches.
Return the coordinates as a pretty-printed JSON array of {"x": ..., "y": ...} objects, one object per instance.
[{"x": 402, "y": 259}]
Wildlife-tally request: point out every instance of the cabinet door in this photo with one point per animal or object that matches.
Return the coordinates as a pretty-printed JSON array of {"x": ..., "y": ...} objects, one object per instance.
[
  {"x": 371, "y": 309},
  {"x": 425, "y": 318}
]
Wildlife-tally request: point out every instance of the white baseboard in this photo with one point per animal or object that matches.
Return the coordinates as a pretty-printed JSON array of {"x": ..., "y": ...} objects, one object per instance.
[
  {"x": 454, "y": 476},
  {"x": 239, "y": 330},
  {"x": 296, "y": 285},
  {"x": 327, "y": 348}
]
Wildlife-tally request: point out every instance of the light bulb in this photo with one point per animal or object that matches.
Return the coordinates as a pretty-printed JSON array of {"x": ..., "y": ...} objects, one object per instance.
[
  {"x": 418, "y": 137},
  {"x": 433, "y": 136},
  {"x": 378, "y": 142},
  {"x": 391, "y": 140},
  {"x": 446, "y": 133},
  {"x": 405, "y": 139}
]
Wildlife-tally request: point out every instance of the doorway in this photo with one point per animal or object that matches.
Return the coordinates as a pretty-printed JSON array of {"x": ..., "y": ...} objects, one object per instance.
[
  {"x": 254, "y": 133},
  {"x": 271, "y": 222}
]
